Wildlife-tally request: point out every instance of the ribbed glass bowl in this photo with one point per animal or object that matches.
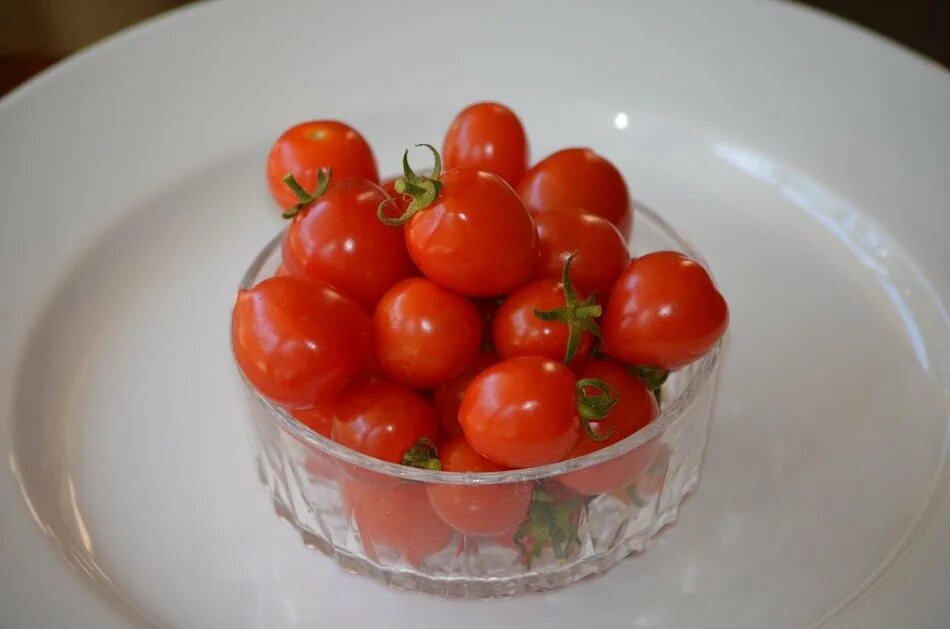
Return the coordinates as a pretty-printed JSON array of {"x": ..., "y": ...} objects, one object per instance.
[{"x": 584, "y": 516}]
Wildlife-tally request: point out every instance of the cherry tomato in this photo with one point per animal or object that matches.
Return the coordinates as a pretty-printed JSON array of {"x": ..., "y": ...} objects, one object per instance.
[
  {"x": 489, "y": 137},
  {"x": 664, "y": 311},
  {"x": 397, "y": 518},
  {"x": 382, "y": 419},
  {"x": 635, "y": 408},
  {"x": 297, "y": 340},
  {"x": 477, "y": 509},
  {"x": 602, "y": 253},
  {"x": 423, "y": 334},
  {"x": 522, "y": 412},
  {"x": 518, "y": 331},
  {"x": 339, "y": 240},
  {"x": 281, "y": 270},
  {"x": 447, "y": 397},
  {"x": 307, "y": 147},
  {"x": 578, "y": 178},
  {"x": 318, "y": 418},
  {"x": 474, "y": 236}
]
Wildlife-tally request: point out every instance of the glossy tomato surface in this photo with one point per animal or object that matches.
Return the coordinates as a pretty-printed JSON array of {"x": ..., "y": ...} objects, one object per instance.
[
  {"x": 304, "y": 149},
  {"x": 423, "y": 334},
  {"x": 635, "y": 408},
  {"x": 339, "y": 240},
  {"x": 396, "y": 518},
  {"x": 664, "y": 311},
  {"x": 476, "y": 238},
  {"x": 298, "y": 341},
  {"x": 518, "y": 331},
  {"x": 522, "y": 412},
  {"x": 578, "y": 178},
  {"x": 477, "y": 510},
  {"x": 382, "y": 419},
  {"x": 489, "y": 137},
  {"x": 601, "y": 252},
  {"x": 318, "y": 418},
  {"x": 447, "y": 397}
]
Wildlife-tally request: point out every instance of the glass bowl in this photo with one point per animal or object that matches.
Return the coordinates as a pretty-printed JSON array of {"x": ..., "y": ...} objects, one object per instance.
[{"x": 523, "y": 530}]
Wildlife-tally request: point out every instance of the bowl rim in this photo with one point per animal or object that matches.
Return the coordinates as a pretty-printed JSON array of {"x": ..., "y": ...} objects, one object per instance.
[{"x": 668, "y": 416}]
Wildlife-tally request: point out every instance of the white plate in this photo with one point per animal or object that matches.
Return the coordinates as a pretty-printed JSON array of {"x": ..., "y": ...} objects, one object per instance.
[{"x": 807, "y": 160}]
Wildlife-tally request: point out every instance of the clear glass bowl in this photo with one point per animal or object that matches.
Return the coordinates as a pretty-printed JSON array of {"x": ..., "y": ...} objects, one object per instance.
[{"x": 539, "y": 528}]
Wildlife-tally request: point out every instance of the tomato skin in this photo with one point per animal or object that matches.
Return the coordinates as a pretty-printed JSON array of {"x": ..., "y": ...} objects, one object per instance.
[
  {"x": 477, "y": 510},
  {"x": 636, "y": 407},
  {"x": 305, "y": 148},
  {"x": 602, "y": 253},
  {"x": 447, "y": 397},
  {"x": 396, "y": 517},
  {"x": 339, "y": 240},
  {"x": 664, "y": 311},
  {"x": 476, "y": 238},
  {"x": 518, "y": 331},
  {"x": 298, "y": 341},
  {"x": 522, "y": 412},
  {"x": 382, "y": 419},
  {"x": 578, "y": 178},
  {"x": 424, "y": 335},
  {"x": 318, "y": 418},
  {"x": 489, "y": 137}
]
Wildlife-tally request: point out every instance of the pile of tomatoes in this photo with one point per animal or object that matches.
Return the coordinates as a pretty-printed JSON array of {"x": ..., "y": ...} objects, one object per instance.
[{"x": 479, "y": 318}]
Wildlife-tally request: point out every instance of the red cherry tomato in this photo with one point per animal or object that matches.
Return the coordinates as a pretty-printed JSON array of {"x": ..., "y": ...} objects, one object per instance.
[
  {"x": 297, "y": 340},
  {"x": 602, "y": 253},
  {"x": 522, "y": 412},
  {"x": 489, "y": 137},
  {"x": 447, "y": 397},
  {"x": 339, "y": 240},
  {"x": 518, "y": 331},
  {"x": 578, "y": 178},
  {"x": 664, "y": 311},
  {"x": 423, "y": 334},
  {"x": 475, "y": 237},
  {"x": 396, "y": 518},
  {"x": 382, "y": 419},
  {"x": 318, "y": 419},
  {"x": 307, "y": 147},
  {"x": 635, "y": 408},
  {"x": 477, "y": 510}
]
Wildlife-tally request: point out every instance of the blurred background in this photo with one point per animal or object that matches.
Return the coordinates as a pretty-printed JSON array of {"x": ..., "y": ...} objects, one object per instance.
[{"x": 36, "y": 33}]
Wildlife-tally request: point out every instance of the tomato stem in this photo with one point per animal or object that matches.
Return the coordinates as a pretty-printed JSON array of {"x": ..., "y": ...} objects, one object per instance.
[
  {"x": 551, "y": 522},
  {"x": 423, "y": 189},
  {"x": 423, "y": 454},
  {"x": 594, "y": 407},
  {"x": 577, "y": 315},
  {"x": 305, "y": 198},
  {"x": 653, "y": 378}
]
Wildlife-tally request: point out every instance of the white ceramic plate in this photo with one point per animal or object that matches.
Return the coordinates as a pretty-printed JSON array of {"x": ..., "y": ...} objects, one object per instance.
[{"x": 808, "y": 160}]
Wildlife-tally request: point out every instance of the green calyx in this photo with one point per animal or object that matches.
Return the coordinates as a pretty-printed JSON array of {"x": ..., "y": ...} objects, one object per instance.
[
  {"x": 423, "y": 189},
  {"x": 305, "y": 198},
  {"x": 653, "y": 378},
  {"x": 552, "y": 522},
  {"x": 595, "y": 406},
  {"x": 423, "y": 455},
  {"x": 579, "y": 316}
]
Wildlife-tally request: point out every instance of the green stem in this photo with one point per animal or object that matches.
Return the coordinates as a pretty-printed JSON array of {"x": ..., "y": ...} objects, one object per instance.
[
  {"x": 593, "y": 407},
  {"x": 576, "y": 314},
  {"x": 422, "y": 455},
  {"x": 305, "y": 198},
  {"x": 423, "y": 189}
]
